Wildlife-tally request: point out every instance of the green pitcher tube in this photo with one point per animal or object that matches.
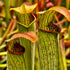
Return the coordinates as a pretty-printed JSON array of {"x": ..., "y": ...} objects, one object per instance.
[
  {"x": 25, "y": 24},
  {"x": 29, "y": 46},
  {"x": 47, "y": 41}
]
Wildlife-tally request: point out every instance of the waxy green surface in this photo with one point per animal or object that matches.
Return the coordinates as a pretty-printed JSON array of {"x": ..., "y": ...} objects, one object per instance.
[
  {"x": 47, "y": 42},
  {"x": 23, "y": 61}
]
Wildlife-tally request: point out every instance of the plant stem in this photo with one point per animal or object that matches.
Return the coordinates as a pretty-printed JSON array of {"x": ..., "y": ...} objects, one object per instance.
[
  {"x": 37, "y": 6},
  {"x": 62, "y": 21},
  {"x": 67, "y": 4},
  {"x": 11, "y": 33},
  {"x": 1, "y": 47},
  {"x": 3, "y": 60},
  {"x": 30, "y": 1},
  {"x": 8, "y": 30},
  {"x": 3, "y": 65},
  {"x": 3, "y": 53},
  {"x": 7, "y": 12}
]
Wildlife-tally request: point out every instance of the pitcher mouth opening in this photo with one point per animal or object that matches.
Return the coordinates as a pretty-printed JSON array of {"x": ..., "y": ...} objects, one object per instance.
[
  {"x": 16, "y": 49},
  {"x": 26, "y": 20},
  {"x": 46, "y": 30}
]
